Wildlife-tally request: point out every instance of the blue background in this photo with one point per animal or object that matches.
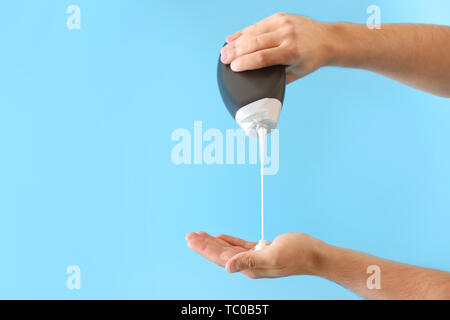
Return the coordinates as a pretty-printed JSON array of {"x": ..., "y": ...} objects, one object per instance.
[{"x": 86, "y": 176}]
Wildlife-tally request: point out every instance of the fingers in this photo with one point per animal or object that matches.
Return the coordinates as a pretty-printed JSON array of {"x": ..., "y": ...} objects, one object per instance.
[
  {"x": 234, "y": 241},
  {"x": 270, "y": 41},
  {"x": 260, "y": 59},
  {"x": 207, "y": 248},
  {"x": 248, "y": 44},
  {"x": 247, "y": 262},
  {"x": 220, "y": 241},
  {"x": 215, "y": 250},
  {"x": 191, "y": 235},
  {"x": 265, "y": 25},
  {"x": 233, "y": 37},
  {"x": 233, "y": 253}
]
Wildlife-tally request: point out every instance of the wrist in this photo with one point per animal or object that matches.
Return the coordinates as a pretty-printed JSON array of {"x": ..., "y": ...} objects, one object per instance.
[
  {"x": 330, "y": 261},
  {"x": 343, "y": 41},
  {"x": 319, "y": 258},
  {"x": 316, "y": 260}
]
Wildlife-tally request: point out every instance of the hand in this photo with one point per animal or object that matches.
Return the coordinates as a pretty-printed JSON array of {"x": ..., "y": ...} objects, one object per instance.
[
  {"x": 302, "y": 44},
  {"x": 289, "y": 254}
]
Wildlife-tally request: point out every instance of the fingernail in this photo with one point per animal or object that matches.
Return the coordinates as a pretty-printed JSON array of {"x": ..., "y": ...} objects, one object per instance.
[
  {"x": 224, "y": 54},
  {"x": 234, "y": 66},
  {"x": 190, "y": 235}
]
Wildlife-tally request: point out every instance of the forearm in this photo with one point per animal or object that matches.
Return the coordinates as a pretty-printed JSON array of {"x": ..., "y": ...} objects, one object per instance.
[
  {"x": 417, "y": 55},
  {"x": 397, "y": 281}
]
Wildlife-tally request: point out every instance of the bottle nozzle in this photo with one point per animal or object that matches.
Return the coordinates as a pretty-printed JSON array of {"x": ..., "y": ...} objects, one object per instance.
[
  {"x": 261, "y": 113},
  {"x": 261, "y": 130}
]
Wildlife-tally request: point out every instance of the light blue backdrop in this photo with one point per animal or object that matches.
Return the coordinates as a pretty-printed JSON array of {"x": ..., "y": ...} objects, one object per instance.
[{"x": 86, "y": 176}]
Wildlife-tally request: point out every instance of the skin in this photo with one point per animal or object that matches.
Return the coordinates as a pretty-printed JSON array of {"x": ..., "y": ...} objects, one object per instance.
[
  {"x": 414, "y": 54},
  {"x": 300, "y": 254}
]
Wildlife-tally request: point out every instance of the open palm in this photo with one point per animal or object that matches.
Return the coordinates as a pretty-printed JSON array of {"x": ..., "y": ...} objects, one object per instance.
[
  {"x": 288, "y": 254},
  {"x": 218, "y": 249}
]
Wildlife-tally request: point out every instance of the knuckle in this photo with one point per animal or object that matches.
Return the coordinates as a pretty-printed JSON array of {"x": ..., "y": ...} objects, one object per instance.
[
  {"x": 280, "y": 15},
  {"x": 237, "y": 51},
  {"x": 256, "y": 43},
  {"x": 286, "y": 20},
  {"x": 293, "y": 50},
  {"x": 234, "y": 49},
  {"x": 250, "y": 262},
  {"x": 288, "y": 31},
  {"x": 260, "y": 58}
]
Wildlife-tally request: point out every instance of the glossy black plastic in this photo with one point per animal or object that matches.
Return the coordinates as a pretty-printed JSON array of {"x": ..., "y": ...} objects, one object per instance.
[{"x": 238, "y": 89}]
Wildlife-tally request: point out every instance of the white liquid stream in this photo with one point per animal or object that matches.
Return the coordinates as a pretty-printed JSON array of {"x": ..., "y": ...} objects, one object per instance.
[{"x": 262, "y": 133}]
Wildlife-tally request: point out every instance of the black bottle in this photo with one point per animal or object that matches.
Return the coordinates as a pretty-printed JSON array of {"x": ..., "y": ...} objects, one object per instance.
[{"x": 254, "y": 98}]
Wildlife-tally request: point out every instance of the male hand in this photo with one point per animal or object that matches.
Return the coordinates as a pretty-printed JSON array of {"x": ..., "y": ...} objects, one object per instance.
[
  {"x": 300, "y": 254},
  {"x": 289, "y": 254},
  {"x": 414, "y": 54},
  {"x": 300, "y": 43}
]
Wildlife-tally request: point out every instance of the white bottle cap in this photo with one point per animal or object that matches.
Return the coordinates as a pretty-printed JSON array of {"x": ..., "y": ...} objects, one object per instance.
[{"x": 264, "y": 112}]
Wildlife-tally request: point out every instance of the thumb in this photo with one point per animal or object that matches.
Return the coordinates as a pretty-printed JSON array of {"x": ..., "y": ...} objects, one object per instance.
[{"x": 245, "y": 261}]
